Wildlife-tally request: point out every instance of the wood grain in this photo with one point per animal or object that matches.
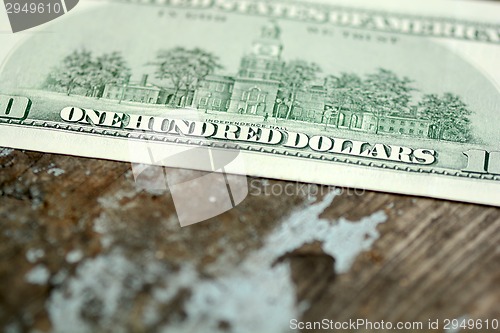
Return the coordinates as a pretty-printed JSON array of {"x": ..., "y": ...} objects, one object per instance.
[{"x": 433, "y": 258}]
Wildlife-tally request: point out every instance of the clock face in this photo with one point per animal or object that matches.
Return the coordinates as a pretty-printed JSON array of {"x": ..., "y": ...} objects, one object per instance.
[{"x": 268, "y": 50}]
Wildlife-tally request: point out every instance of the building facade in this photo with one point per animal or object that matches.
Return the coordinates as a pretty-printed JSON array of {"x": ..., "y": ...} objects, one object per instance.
[
  {"x": 404, "y": 125},
  {"x": 255, "y": 90},
  {"x": 141, "y": 92},
  {"x": 214, "y": 93},
  {"x": 145, "y": 92},
  {"x": 309, "y": 105}
]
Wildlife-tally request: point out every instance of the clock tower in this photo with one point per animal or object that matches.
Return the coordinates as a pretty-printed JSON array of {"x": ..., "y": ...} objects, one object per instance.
[
  {"x": 264, "y": 61},
  {"x": 256, "y": 85}
]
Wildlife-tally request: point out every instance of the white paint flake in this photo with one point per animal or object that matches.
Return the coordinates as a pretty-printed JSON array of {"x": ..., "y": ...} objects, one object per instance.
[
  {"x": 102, "y": 224},
  {"x": 33, "y": 255},
  {"x": 38, "y": 275},
  {"x": 55, "y": 171},
  {"x": 74, "y": 256},
  {"x": 250, "y": 296},
  {"x": 259, "y": 297},
  {"x": 100, "y": 288},
  {"x": 5, "y": 152}
]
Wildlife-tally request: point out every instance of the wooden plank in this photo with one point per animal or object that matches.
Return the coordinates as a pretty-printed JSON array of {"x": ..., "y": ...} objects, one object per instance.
[{"x": 432, "y": 258}]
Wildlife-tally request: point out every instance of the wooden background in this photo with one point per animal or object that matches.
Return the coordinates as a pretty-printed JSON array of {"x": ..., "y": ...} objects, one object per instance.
[{"x": 432, "y": 259}]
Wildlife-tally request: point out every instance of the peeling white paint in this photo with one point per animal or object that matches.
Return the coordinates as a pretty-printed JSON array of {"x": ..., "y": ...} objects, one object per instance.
[
  {"x": 13, "y": 328},
  {"x": 251, "y": 296},
  {"x": 5, "y": 152},
  {"x": 56, "y": 172},
  {"x": 103, "y": 284},
  {"x": 256, "y": 297},
  {"x": 38, "y": 275},
  {"x": 113, "y": 201},
  {"x": 74, "y": 256},
  {"x": 101, "y": 226},
  {"x": 110, "y": 202},
  {"x": 59, "y": 277},
  {"x": 33, "y": 255}
]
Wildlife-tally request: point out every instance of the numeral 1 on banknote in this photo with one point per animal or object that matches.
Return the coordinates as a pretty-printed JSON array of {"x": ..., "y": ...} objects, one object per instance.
[{"x": 481, "y": 161}]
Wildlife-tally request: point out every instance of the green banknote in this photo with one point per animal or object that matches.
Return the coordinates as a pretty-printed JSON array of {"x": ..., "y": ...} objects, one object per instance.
[{"x": 395, "y": 96}]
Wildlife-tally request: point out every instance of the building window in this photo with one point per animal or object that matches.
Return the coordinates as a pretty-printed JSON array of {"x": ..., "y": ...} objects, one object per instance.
[
  {"x": 216, "y": 102},
  {"x": 401, "y": 130},
  {"x": 220, "y": 87},
  {"x": 412, "y": 123},
  {"x": 402, "y": 122},
  {"x": 392, "y": 122},
  {"x": 391, "y": 129},
  {"x": 382, "y": 120},
  {"x": 230, "y": 88},
  {"x": 411, "y": 131},
  {"x": 227, "y": 103},
  {"x": 203, "y": 101},
  {"x": 420, "y": 132},
  {"x": 254, "y": 94},
  {"x": 381, "y": 128},
  {"x": 421, "y": 125}
]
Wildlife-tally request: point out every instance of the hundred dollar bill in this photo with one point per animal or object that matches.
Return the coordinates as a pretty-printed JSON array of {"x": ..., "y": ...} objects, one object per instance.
[{"x": 402, "y": 97}]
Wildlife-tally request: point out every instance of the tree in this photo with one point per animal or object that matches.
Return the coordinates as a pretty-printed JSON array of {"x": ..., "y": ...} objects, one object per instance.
[
  {"x": 109, "y": 68},
  {"x": 345, "y": 80},
  {"x": 73, "y": 72},
  {"x": 344, "y": 90},
  {"x": 384, "y": 92},
  {"x": 387, "y": 91},
  {"x": 296, "y": 76},
  {"x": 449, "y": 116},
  {"x": 80, "y": 70},
  {"x": 185, "y": 68}
]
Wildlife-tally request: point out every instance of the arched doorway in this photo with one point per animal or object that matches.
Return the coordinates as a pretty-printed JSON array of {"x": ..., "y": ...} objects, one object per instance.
[
  {"x": 297, "y": 113},
  {"x": 182, "y": 101},
  {"x": 282, "y": 110},
  {"x": 169, "y": 99},
  {"x": 254, "y": 101},
  {"x": 342, "y": 120},
  {"x": 433, "y": 132},
  {"x": 356, "y": 121}
]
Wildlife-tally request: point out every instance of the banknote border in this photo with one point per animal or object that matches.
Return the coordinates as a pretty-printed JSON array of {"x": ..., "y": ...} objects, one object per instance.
[
  {"x": 165, "y": 139},
  {"x": 440, "y": 18},
  {"x": 398, "y": 14}
]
